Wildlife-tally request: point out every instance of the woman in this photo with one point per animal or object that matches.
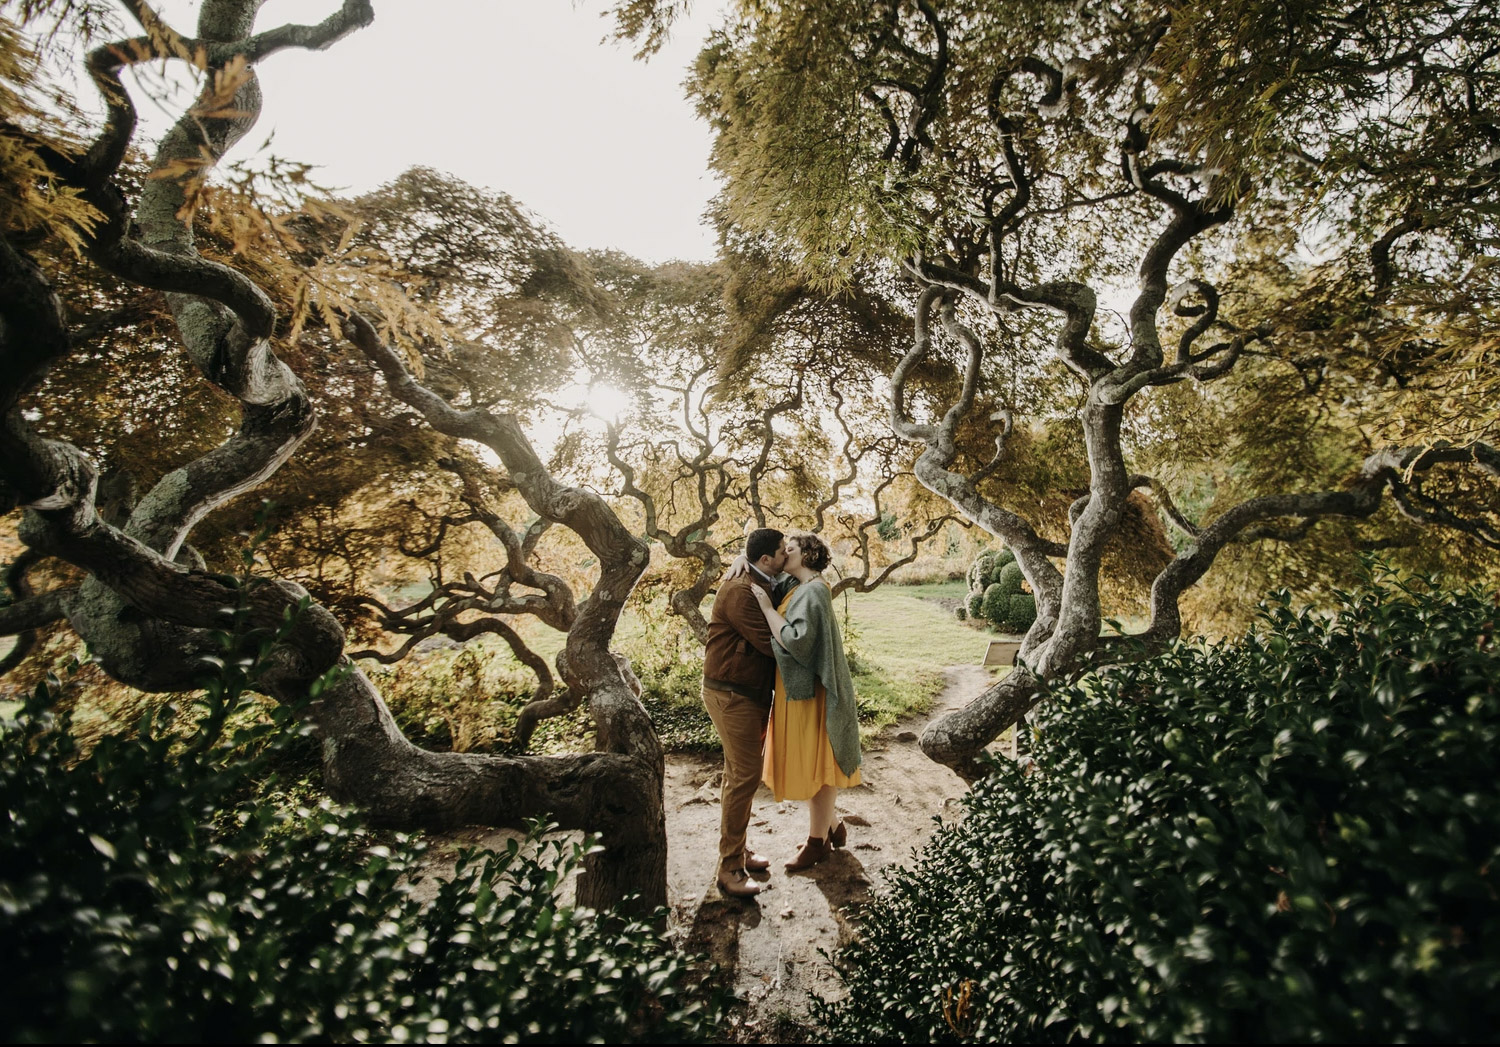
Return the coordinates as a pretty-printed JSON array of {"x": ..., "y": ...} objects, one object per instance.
[{"x": 812, "y": 746}]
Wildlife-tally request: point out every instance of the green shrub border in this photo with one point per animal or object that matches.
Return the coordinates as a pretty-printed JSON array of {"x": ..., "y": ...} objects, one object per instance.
[{"x": 1292, "y": 837}]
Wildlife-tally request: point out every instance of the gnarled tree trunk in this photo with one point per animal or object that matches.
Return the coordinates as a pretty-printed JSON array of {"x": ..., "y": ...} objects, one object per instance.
[{"x": 148, "y": 609}]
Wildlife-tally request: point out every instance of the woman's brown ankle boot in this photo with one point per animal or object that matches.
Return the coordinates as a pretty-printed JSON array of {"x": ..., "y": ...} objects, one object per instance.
[{"x": 813, "y": 851}]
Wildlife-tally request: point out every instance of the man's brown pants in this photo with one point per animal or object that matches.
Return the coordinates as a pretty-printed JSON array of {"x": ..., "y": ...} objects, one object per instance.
[{"x": 741, "y": 724}]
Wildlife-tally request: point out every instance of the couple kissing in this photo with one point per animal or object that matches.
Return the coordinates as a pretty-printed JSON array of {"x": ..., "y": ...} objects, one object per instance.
[{"x": 776, "y": 685}]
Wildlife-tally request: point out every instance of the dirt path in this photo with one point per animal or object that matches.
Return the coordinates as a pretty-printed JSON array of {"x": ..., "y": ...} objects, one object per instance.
[{"x": 770, "y": 951}]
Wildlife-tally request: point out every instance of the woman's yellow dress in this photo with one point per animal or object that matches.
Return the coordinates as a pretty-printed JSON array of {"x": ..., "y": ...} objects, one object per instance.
[{"x": 799, "y": 758}]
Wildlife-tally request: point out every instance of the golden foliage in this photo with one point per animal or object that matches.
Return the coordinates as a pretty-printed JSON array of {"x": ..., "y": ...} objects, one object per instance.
[
  {"x": 34, "y": 201},
  {"x": 279, "y": 228}
]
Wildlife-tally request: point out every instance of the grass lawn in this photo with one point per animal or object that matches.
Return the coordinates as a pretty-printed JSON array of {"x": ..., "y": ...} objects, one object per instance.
[{"x": 901, "y": 640}]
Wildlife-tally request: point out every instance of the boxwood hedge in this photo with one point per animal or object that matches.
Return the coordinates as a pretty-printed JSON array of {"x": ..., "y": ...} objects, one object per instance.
[
  {"x": 1292, "y": 837},
  {"x": 157, "y": 890}
]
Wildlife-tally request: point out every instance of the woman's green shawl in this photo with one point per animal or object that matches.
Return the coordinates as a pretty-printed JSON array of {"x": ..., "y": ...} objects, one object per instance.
[{"x": 810, "y": 649}]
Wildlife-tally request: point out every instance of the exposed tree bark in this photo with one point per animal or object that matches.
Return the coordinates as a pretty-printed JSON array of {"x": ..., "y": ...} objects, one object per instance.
[
  {"x": 1066, "y": 636},
  {"x": 28, "y": 610}
]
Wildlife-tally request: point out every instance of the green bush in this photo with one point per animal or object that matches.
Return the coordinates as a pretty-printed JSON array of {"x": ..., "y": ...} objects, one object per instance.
[
  {"x": 673, "y": 694},
  {"x": 979, "y": 570},
  {"x": 459, "y": 698},
  {"x": 995, "y": 603},
  {"x": 1020, "y": 612},
  {"x": 975, "y": 604},
  {"x": 1010, "y": 578},
  {"x": 1003, "y": 559},
  {"x": 1292, "y": 837},
  {"x": 961, "y": 613},
  {"x": 152, "y": 891},
  {"x": 991, "y": 568}
]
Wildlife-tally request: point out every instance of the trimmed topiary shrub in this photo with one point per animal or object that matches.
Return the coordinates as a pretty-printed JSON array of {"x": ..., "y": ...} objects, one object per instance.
[
  {"x": 1292, "y": 837},
  {"x": 979, "y": 570},
  {"x": 975, "y": 604},
  {"x": 961, "y": 613},
  {"x": 998, "y": 597},
  {"x": 1020, "y": 612},
  {"x": 1003, "y": 559},
  {"x": 996, "y": 602},
  {"x": 992, "y": 568},
  {"x": 1010, "y": 578}
]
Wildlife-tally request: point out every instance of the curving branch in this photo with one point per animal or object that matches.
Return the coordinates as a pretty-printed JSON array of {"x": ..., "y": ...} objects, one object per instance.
[
  {"x": 958, "y": 739},
  {"x": 925, "y": 101},
  {"x": 632, "y": 821},
  {"x": 1407, "y": 475},
  {"x": 687, "y": 542},
  {"x": 56, "y": 484},
  {"x": 1065, "y": 635},
  {"x": 1214, "y": 362},
  {"x": 1168, "y": 506},
  {"x": 1007, "y": 419},
  {"x": 1075, "y": 302},
  {"x": 867, "y": 580},
  {"x": 960, "y": 408},
  {"x": 1053, "y": 102},
  {"x": 555, "y": 605},
  {"x": 446, "y": 618},
  {"x": 1052, "y": 78},
  {"x": 901, "y": 420},
  {"x": 893, "y": 129},
  {"x": 27, "y": 611},
  {"x": 224, "y": 318},
  {"x": 756, "y": 471},
  {"x": 711, "y": 479},
  {"x": 24, "y": 618},
  {"x": 932, "y": 468},
  {"x": 1387, "y": 470},
  {"x": 1189, "y": 218},
  {"x": 1204, "y": 313},
  {"x": 853, "y": 452},
  {"x": 33, "y": 612},
  {"x": 622, "y": 555},
  {"x": 932, "y": 465}
]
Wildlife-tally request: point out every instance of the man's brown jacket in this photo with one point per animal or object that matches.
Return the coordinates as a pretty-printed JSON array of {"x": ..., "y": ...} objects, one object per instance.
[{"x": 738, "y": 654}]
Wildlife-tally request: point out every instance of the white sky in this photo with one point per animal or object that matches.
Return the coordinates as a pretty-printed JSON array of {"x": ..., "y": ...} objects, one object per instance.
[{"x": 515, "y": 95}]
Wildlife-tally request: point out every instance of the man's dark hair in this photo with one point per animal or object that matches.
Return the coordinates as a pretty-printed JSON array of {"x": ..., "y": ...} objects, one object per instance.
[{"x": 763, "y": 541}]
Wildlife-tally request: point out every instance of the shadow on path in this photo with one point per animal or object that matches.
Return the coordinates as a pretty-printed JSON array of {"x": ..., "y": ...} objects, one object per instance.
[{"x": 718, "y": 927}]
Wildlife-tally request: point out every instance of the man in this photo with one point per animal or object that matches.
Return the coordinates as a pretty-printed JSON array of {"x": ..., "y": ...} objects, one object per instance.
[{"x": 739, "y": 673}]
